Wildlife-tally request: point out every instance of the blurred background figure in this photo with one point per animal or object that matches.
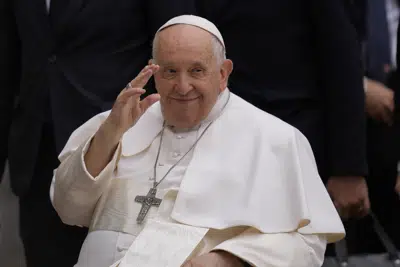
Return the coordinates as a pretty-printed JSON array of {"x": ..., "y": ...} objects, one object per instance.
[
  {"x": 11, "y": 253},
  {"x": 63, "y": 61},
  {"x": 301, "y": 61},
  {"x": 380, "y": 48}
]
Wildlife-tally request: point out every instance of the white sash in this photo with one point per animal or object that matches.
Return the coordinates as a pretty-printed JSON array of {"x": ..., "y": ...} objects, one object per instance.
[{"x": 162, "y": 244}]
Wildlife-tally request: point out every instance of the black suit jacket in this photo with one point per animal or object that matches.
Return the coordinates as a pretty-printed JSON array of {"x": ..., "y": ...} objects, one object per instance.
[
  {"x": 299, "y": 60},
  {"x": 356, "y": 12},
  {"x": 72, "y": 67},
  {"x": 9, "y": 65}
]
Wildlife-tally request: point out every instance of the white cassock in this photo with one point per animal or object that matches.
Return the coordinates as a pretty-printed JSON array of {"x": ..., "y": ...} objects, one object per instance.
[{"x": 249, "y": 187}]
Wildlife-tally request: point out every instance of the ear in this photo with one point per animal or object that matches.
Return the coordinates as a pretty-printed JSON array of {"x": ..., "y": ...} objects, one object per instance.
[{"x": 226, "y": 70}]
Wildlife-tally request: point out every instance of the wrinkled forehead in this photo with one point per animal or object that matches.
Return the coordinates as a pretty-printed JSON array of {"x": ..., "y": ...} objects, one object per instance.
[{"x": 184, "y": 41}]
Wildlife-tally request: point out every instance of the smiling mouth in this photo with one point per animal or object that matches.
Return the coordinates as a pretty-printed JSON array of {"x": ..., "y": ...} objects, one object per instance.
[{"x": 184, "y": 99}]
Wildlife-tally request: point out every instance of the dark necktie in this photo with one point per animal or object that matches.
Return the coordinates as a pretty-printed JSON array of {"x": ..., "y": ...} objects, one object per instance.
[{"x": 378, "y": 42}]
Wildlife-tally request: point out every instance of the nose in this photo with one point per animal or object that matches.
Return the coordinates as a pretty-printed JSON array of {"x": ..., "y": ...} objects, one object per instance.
[{"x": 183, "y": 84}]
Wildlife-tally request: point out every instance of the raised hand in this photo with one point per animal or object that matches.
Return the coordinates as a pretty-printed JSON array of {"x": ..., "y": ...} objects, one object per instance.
[
  {"x": 126, "y": 111},
  {"x": 128, "y": 107}
]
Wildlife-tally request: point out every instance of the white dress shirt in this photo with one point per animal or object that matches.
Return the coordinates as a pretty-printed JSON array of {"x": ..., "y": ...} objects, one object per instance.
[
  {"x": 392, "y": 11},
  {"x": 48, "y": 5}
]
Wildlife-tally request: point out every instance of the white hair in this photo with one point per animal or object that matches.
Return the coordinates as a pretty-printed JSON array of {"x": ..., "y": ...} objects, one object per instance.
[{"x": 219, "y": 50}]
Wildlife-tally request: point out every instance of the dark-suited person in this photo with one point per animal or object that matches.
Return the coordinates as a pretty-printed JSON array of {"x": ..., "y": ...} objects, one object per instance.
[
  {"x": 9, "y": 78},
  {"x": 380, "y": 63},
  {"x": 380, "y": 66},
  {"x": 356, "y": 12},
  {"x": 76, "y": 55},
  {"x": 396, "y": 86},
  {"x": 300, "y": 61}
]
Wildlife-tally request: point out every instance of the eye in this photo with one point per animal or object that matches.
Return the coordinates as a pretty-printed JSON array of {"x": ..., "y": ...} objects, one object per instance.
[
  {"x": 197, "y": 70},
  {"x": 169, "y": 73}
]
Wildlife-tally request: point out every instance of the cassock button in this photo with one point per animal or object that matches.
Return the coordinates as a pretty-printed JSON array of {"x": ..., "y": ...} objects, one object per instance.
[
  {"x": 179, "y": 136},
  {"x": 176, "y": 154},
  {"x": 119, "y": 249},
  {"x": 52, "y": 59}
]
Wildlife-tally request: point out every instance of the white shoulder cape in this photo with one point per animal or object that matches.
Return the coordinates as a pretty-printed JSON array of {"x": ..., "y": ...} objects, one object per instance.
[{"x": 249, "y": 169}]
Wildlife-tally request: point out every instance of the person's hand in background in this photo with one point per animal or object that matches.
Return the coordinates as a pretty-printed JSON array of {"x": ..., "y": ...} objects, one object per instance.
[{"x": 379, "y": 101}]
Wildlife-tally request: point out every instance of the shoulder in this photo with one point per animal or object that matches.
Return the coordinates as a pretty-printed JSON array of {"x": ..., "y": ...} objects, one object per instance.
[
  {"x": 259, "y": 122},
  {"x": 84, "y": 132},
  {"x": 262, "y": 130}
]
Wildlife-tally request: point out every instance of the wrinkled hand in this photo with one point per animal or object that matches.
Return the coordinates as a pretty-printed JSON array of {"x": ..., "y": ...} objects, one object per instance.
[
  {"x": 379, "y": 101},
  {"x": 350, "y": 196},
  {"x": 214, "y": 259},
  {"x": 128, "y": 107}
]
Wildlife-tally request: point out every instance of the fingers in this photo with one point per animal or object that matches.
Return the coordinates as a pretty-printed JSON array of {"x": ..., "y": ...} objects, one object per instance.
[
  {"x": 352, "y": 208},
  {"x": 343, "y": 212},
  {"x": 188, "y": 264},
  {"x": 387, "y": 116},
  {"x": 367, "y": 204},
  {"x": 388, "y": 109},
  {"x": 148, "y": 101},
  {"x": 125, "y": 95},
  {"x": 144, "y": 76},
  {"x": 397, "y": 188}
]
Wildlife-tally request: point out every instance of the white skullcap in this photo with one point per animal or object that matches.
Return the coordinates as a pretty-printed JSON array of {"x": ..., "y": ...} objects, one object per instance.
[{"x": 195, "y": 21}]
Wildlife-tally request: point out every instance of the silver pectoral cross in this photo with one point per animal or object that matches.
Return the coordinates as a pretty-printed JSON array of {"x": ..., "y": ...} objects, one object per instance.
[{"x": 147, "y": 201}]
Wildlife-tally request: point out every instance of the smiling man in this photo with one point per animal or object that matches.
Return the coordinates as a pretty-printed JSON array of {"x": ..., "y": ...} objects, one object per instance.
[{"x": 193, "y": 175}]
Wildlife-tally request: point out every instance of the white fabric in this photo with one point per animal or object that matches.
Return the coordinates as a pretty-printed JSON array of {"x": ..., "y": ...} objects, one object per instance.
[
  {"x": 195, "y": 21},
  {"x": 163, "y": 244},
  {"x": 270, "y": 187},
  {"x": 392, "y": 12}
]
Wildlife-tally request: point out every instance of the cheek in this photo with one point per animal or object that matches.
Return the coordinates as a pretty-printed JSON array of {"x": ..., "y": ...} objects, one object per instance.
[
  {"x": 163, "y": 87},
  {"x": 209, "y": 97}
]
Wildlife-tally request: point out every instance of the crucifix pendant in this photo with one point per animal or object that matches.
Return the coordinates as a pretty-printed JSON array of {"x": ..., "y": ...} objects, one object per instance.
[{"x": 147, "y": 201}]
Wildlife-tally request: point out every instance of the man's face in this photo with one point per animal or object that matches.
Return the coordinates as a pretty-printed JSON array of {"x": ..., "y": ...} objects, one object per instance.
[{"x": 189, "y": 79}]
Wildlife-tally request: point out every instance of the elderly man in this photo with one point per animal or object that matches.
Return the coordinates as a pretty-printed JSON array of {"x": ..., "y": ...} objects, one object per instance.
[{"x": 201, "y": 178}]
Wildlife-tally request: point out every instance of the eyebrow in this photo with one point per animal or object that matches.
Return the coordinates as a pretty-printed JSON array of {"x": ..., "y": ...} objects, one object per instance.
[{"x": 195, "y": 63}]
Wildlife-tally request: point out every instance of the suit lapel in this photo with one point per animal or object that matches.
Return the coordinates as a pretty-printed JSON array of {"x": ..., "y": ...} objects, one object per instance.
[
  {"x": 43, "y": 18},
  {"x": 67, "y": 17}
]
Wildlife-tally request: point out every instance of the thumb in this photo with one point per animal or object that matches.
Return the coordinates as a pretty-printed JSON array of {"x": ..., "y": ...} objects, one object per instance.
[
  {"x": 367, "y": 204},
  {"x": 187, "y": 264},
  {"x": 148, "y": 101}
]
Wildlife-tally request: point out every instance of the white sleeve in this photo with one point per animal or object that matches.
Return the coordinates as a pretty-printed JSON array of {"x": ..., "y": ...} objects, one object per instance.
[
  {"x": 277, "y": 250},
  {"x": 74, "y": 192}
]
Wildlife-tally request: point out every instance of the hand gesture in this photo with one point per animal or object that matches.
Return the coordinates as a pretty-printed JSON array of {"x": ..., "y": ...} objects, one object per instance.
[{"x": 128, "y": 107}]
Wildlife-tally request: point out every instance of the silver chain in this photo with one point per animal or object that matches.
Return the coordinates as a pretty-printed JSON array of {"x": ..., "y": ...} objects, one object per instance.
[{"x": 155, "y": 183}]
